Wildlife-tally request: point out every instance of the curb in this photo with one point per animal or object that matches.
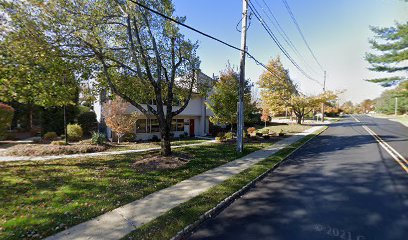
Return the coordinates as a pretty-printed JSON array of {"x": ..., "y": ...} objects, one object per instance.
[{"x": 188, "y": 230}]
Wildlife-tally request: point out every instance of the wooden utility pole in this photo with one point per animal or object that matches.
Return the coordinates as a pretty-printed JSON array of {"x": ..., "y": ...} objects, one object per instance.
[
  {"x": 324, "y": 90},
  {"x": 240, "y": 124},
  {"x": 396, "y": 106}
]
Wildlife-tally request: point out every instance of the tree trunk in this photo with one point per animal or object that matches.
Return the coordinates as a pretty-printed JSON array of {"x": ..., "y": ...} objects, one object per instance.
[
  {"x": 165, "y": 141},
  {"x": 30, "y": 117}
]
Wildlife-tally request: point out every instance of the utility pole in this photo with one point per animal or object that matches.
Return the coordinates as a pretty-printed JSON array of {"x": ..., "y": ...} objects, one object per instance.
[
  {"x": 324, "y": 90},
  {"x": 240, "y": 124},
  {"x": 396, "y": 106},
  {"x": 65, "y": 118}
]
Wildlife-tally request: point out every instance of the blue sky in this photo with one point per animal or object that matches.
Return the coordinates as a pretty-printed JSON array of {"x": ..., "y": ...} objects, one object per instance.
[{"x": 337, "y": 31}]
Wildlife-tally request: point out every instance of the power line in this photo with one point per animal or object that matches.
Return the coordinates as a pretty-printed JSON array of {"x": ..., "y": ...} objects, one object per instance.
[
  {"x": 272, "y": 35},
  {"x": 301, "y": 33},
  {"x": 283, "y": 34},
  {"x": 204, "y": 34}
]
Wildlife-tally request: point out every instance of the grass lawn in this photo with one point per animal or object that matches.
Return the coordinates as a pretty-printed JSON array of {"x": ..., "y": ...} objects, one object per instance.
[
  {"x": 39, "y": 199},
  {"x": 399, "y": 118},
  {"x": 169, "y": 224},
  {"x": 286, "y": 128},
  {"x": 22, "y": 149}
]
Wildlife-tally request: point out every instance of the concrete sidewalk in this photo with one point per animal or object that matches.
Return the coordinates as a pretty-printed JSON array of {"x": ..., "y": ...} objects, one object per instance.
[
  {"x": 119, "y": 222},
  {"x": 96, "y": 154}
]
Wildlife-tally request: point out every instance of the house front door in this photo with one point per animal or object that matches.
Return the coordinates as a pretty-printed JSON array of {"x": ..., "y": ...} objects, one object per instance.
[{"x": 191, "y": 127}]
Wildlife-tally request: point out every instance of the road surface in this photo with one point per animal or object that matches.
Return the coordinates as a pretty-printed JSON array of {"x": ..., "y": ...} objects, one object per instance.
[{"x": 341, "y": 185}]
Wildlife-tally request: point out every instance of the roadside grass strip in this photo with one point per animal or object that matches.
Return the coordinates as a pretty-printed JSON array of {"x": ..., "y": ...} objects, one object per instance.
[{"x": 180, "y": 221}]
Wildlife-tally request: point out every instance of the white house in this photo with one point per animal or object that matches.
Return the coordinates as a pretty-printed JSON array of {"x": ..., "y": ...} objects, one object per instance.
[{"x": 193, "y": 121}]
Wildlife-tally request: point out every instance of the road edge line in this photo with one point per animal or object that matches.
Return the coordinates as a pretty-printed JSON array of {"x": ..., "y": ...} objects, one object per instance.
[{"x": 391, "y": 151}]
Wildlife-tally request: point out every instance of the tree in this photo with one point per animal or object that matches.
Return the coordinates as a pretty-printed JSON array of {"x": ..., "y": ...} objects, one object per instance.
[
  {"x": 265, "y": 117},
  {"x": 347, "y": 107},
  {"x": 366, "y": 106},
  {"x": 142, "y": 57},
  {"x": 393, "y": 53},
  {"x": 31, "y": 70},
  {"x": 386, "y": 102},
  {"x": 276, "y": 87},
  {"x": 6, "y": 115},
  {"x": 117, "y": 118},
  {"x": 223, "y": 100}
]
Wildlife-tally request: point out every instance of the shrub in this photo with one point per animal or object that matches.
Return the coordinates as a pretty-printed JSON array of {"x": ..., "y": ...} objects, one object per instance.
[
  {"x": 181, "y": 136},
  {"x": 87, "y": 121},
  {"x": 129, "y": 137},
  {"x": 229, "y": 135},
  {"x": 50, "y": 136},
  {"x": 6, "y": 116},
  {"x": 258, "y": 134},
  {"x": 251, "y": 130},
  {"x": 220, "y": 139},
  {"x": 265, "y": 131},
  {"x": 155, "y": 138},
  {"x": 98, "y": 138},
  {"x": 271, "y": 132},
  {"x": 58, "y": 143},
  {"x": 221, "y": 134},
  {"x": 74, "y": 132},
  {"x": 281, "y": 133}
]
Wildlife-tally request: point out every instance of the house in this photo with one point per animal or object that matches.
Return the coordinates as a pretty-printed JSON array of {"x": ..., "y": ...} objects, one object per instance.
[{"x": 193, "y": 121}]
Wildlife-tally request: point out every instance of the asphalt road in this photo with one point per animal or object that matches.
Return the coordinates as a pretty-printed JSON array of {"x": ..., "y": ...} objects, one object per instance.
[{"x": 341, "y": 185}]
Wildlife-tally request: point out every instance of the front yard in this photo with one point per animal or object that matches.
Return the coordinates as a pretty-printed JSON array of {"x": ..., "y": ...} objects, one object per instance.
[
  {"x": 41, "y": 198},
  {"x": 11, "y": 149}
]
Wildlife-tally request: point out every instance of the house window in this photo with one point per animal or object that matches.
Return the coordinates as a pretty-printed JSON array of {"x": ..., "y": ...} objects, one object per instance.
[
  {"x": 141, "y": 126},
  {"x": 174, "y": 125},
  {"x": 154, "y": 125},
  {"x": 177, "y": 125},
  {"x": 180, "y": 125}
]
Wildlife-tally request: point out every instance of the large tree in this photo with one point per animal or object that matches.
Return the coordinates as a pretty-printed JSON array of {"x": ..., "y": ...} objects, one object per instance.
[
  {"x": 223, "y": 100},
  {"x": 32, "y": 71},
  {"x": 141, "y": 56},
  {"x": 276, "y": 88},
  {"x": 390, "y": 55}
]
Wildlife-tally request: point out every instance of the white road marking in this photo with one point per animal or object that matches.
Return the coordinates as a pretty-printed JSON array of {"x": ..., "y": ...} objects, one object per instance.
[{"x": 393, "y": 153}]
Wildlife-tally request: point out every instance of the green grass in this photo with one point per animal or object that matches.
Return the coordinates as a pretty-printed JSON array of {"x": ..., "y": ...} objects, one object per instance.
[
  {"x": 38, "y": 199},
  {"x": 173, "y": 221}
]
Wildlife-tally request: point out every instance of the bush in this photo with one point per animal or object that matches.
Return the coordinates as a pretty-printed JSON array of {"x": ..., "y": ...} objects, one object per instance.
[
  {"x": 155, "y": 138},
  {"x": 220, "y": 139},
  {"x": 281, "y": 133},
  {"x": 258, "y": 134},
  {"x": 50, "y": 136},
  {"x": 87, "y": 121},
  {"x": 74, "y": 132},
  {"x": 6, "y": 116},
  {"x": 58, "y": 143},
  {"x": 221, "y": 134},
  {"x": 129, "y": 137},
  {"x": 251, "y": 130},
  {"x": 182, "y": 135},
  {"x": 229, "y": 135},
  {"x": 98, "y": 138},
  {"x": 264, "y": 131}
]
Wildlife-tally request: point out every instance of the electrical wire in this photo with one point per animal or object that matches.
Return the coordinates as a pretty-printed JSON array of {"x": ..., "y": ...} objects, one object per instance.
[
  {"x": 206, "y": 35},
  {"x": 272, "y": 35},
  {"x": 283, "y": 34},
  {"x": 301, "y": 33}
]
